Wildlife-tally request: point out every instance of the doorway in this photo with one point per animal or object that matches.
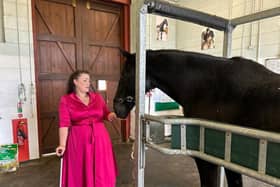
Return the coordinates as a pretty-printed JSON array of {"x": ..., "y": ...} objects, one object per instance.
[{"x": 71, "y": 35}]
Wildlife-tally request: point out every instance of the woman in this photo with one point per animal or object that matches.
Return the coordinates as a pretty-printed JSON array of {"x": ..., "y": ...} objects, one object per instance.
[{"x": 84, "y": 143}]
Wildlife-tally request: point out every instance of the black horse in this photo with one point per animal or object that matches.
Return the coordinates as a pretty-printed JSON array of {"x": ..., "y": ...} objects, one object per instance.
[{"x": 235, "y": 90}]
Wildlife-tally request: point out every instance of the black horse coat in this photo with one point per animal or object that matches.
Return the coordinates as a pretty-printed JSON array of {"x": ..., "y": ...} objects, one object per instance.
[{"x": 233, "y": 90}]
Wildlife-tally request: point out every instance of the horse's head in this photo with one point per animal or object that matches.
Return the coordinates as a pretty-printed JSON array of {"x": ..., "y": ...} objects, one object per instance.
[{"x": 125, "y": 96}]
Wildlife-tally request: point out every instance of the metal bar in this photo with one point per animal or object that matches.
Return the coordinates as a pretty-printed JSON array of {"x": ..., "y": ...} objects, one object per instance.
[
  {"x": 183, "y": 137},
  {"x": 243, "y": 170},
  {"x": 148, "y": 130},
  {"x": 256, "y": 16},
  {"x": 270, "y": 136},
  {"x": 143, "y": 140},
  {"x": 167, "y": 150},
  {"x": 181, "y": 13},
  {"x": 265, "y": 178},
  {"x": 2, "y": 33},
  {"x": 227, "y": 44},
  {"x": 228, "y": 146},
  {"x": 201, "y": 139},
  {"x": 262, "y": 156},
  {"x": 140, "y": 96}
]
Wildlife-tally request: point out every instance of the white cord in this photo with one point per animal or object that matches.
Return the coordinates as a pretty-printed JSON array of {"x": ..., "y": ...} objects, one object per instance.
[
  {"x": 30, "y": 63},
  {"x": 21, "y": 87},
  {"x": 60, "y": 173},
  {"x": 18, "y": 45}
]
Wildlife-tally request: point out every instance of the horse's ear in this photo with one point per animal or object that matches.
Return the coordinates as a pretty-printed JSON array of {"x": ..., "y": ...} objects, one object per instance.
[{"x": 125, "y": 53}]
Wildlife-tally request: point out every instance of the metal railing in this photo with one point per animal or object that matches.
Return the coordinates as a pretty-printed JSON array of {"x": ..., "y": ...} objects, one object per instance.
[
  {"x": 163, "y": 8},
  {"x": 263, "y": 138}
]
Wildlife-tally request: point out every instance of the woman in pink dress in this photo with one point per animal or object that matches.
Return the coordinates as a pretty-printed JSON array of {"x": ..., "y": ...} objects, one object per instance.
[{"x": 84, "y": 143}]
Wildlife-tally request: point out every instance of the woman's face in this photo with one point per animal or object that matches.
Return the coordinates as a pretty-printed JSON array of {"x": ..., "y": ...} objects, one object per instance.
[{"x": 82, "y": 83}]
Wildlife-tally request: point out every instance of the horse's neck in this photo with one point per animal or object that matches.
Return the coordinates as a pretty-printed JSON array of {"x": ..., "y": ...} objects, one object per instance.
[{"x": 160, "y": 76}]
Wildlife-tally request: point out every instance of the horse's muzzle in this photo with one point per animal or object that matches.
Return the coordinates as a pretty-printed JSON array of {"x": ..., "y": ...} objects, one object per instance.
[{"x": 122, "y": 106}]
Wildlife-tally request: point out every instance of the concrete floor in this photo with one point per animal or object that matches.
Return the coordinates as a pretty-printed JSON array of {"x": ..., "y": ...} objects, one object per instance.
[{"x": 161, "y": 171}]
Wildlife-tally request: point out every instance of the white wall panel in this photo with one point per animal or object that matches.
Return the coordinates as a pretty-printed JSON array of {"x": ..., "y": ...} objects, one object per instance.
[{"x": 10, "y": 73}]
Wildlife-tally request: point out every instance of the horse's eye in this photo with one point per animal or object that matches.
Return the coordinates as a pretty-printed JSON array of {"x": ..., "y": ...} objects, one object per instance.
[
  {"x": 119, "y": 100},
  {"x": 129, "y": 99}
]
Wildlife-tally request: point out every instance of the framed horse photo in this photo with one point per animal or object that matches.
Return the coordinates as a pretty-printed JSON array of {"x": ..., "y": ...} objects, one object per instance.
[
  {"x": 207, "y": 39},
  {"x": 161, "y": 28}
]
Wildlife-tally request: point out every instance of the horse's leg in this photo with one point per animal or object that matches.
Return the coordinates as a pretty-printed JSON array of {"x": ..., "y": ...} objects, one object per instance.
[
  {"x": 208, "y": 173},
  {"x": 157, "y": 35},
  {"x": 234, "y": 179}
]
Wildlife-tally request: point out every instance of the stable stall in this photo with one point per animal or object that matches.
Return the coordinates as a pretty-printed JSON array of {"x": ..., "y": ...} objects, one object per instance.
[{"x": 211, "y": 141}]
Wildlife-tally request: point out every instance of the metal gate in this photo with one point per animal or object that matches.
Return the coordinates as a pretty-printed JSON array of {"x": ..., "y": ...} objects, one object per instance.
[{"x": 265, "y": 141}]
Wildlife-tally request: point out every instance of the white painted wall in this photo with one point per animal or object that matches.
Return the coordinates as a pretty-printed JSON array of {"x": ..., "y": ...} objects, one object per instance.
[
  {"x": 258, "y": 40},
  {"x": 151, "y": 42},
  {"x": 11, "y": 59}
]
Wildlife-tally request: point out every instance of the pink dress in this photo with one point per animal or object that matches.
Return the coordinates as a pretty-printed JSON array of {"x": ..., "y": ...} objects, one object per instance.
[{"x": 89, "y": 159}]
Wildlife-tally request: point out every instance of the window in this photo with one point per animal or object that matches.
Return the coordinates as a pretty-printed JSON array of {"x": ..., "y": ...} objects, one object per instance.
[{"x": 101, "y": 85}]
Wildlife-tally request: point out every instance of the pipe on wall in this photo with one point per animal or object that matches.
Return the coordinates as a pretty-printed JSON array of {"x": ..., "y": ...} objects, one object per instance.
[{"x": 258, "y": 48}]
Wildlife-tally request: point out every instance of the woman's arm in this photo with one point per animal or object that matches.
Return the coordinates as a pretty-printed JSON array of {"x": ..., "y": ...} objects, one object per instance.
[
  {"x": 64, "y": 124},
  {"x": 63, "y": 133},
  {"x": 111, "y": 116}
]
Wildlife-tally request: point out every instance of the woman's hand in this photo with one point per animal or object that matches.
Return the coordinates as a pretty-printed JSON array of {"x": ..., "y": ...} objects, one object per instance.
[
  {"x": 60, "y": 150},
  {"x": 112, "y": 116}
]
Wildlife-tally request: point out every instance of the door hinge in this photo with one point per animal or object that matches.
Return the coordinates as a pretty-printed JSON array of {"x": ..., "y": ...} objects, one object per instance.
[
  {"x": 88, "y": 5},
  {"x": 74, "y": 3}
]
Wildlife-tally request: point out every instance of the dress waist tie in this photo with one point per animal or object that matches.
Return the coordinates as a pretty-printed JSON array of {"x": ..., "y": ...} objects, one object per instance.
[{"x": 91, "y": 138}]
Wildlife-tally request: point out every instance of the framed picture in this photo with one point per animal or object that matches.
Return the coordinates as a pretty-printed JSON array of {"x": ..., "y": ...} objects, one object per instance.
[
  {"x": 161, "y": 28},
  {"x": 207, "y": 39}
]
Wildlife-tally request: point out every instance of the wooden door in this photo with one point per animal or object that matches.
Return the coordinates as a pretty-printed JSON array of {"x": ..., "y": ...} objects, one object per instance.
[
  {"x": 101, "y": 42},
  {"x": 71, "y": 36}
]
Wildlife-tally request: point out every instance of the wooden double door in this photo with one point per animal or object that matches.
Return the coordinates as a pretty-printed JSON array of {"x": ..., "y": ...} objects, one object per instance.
[{"x": 71, "y": 35}]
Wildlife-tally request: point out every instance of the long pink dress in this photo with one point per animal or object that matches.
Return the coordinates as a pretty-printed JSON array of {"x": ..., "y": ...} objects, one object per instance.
[{"x": 89, "y": 159}]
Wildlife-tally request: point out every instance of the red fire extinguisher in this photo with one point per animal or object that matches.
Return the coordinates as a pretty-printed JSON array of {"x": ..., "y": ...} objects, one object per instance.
[{"x": 21, "y": 136}]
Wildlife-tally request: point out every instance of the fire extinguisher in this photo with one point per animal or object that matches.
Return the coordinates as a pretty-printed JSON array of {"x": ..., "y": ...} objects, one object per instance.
[{"x": 21, "y": 136}]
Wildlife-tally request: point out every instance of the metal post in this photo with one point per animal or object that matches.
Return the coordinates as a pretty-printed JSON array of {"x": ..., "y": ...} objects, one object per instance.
[
  {"x": 140, "y": 97},
  {"x": 227, "y": 41},
  {"x": 226, "y": 53}
]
